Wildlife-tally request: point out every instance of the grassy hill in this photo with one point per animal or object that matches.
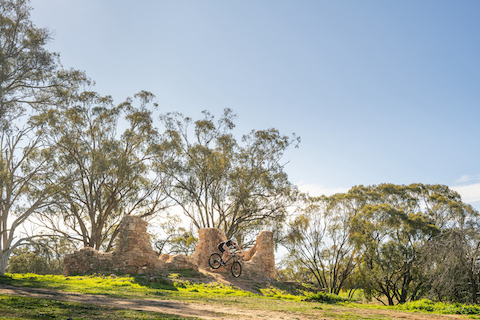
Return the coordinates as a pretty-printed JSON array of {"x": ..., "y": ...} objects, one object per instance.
[{"x": 193, "y": 289}]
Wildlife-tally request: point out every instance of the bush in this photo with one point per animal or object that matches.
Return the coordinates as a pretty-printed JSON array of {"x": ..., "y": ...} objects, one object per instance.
[{"x": 324, "y": 297}]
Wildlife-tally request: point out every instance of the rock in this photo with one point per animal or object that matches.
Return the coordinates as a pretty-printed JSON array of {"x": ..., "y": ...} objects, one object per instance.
[{"x": 180, "y": 262}]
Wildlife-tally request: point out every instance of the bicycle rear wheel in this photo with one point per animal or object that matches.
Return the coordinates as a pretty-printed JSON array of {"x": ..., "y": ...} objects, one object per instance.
[
  {"x": 236, "y": 269},
  {"x": 214, "y": 260}
]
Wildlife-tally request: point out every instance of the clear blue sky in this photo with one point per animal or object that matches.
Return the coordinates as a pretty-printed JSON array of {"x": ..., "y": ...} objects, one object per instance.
[{"x": 379, "y": 91}]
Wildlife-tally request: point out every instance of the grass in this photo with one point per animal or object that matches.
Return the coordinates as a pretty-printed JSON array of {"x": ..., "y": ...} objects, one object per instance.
[
  {"x": 174, "y": 286},
  {"x": 324, "y": 297},
  {"x": 13, "y": 307},
  {"x": 429, "y": 306},
  {"x": 127, "y": 287}
]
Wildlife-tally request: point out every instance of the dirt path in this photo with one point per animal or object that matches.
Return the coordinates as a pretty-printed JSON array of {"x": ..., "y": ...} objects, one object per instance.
[{"x": 208, "y": 311}]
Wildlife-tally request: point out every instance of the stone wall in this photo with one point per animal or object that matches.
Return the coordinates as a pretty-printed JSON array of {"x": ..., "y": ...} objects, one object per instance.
[
  {"x": 260, "y": 259},
  {"x": 208, "y": 240},
  {"x": 134, "y": 254}
]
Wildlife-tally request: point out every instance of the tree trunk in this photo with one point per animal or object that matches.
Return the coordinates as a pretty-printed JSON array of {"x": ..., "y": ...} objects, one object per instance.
[
  {"x": 3, "y": 262},
  {"x": 390, "y": 300}
]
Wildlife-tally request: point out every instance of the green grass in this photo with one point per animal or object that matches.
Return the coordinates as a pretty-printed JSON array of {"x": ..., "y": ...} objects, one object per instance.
[
  {"x": 13, "y": 307},
  {"x": 176, "y": 287},
  {"x": 280, "y": 294},
  {"x": 324, "y": 297},
  {"x": 425, "y": 305},
  {"x": 128, "y": 287}
]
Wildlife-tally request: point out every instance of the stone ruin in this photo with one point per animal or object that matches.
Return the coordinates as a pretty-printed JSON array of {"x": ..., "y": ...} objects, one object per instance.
[{"x": 134, "y": 254}]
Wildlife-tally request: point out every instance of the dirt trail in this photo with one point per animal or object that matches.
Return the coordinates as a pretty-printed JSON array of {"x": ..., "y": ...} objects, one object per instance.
[
  {"x": 203, "y": 311},
  {"x": 241, "y": 283},
  {"x": 208, "y": 311}
]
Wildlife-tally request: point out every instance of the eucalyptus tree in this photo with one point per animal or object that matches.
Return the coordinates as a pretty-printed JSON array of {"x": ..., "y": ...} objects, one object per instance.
[
  {"x": 43, "y": 256},
  {"x": 30, "y": 75},
  {"x": 393, "y": 227},
  {"x": 107, "y": 162},
  {"x": 318, "y": 240},
  {"x": 452, "y": 258},
  {"x": 174, "y": 238},
  {"x": 452, "y": 263},
  {"x": 25, "y": 185},
  {"x": 219, "y": 182}
]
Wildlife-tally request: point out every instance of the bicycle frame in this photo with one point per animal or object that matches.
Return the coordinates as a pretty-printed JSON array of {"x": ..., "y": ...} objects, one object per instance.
[{"x": 232, "y": 256}]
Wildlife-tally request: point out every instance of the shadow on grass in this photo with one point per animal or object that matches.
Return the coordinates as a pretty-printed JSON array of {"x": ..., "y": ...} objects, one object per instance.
[
  {"x": 12, "y": 307},
  {"x": 32, "y": 282}
]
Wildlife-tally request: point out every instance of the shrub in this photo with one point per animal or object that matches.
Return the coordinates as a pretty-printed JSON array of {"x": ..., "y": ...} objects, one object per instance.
[{"x": 324, "y": 297}]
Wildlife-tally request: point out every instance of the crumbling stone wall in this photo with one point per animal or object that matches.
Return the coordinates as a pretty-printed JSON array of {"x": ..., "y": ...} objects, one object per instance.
[
  {"x": 208, "y": 240},
  {"x": 260, "y": 259},
  {"x": 134, "y": 249},
  {"x": 134, "y": 254}
]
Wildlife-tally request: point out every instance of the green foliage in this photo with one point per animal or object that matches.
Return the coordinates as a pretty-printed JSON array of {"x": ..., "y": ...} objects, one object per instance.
[
  {"x": 174, "y": 239},
  {"x": 324, "y": 297},
  {"x": 126, "y": 286},
  {"x": 30, "y": 75},
  {"x": 108, "y": 169},
  {"x": 290, "y": 270},
  {"x": 239, "y": 187},
  {"x": 151, "y": 287},
  {"x": 391, "y": 227},
  {"x": 24, "y": 260},
  {"x": 45, "y": 256},
  {"x": 207, "y": 290},
  {"x": 318, "y": 242},
  {"x": 425, "y": 305},
  {"x": 375, "y": 238},
  {"x": 184, "y": 243},
  {"x": 451, "y": 263}
]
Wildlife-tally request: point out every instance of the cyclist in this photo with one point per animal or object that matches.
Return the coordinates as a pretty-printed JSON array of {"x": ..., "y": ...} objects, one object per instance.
[{"x": 225, "y": 247}]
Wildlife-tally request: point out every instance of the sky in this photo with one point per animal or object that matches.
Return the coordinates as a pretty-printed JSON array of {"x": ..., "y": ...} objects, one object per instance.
[{"x": 378, "y": 91}]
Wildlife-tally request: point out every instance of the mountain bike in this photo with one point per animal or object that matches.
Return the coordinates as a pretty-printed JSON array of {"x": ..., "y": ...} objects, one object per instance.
[{"x": 215, "y": 261}]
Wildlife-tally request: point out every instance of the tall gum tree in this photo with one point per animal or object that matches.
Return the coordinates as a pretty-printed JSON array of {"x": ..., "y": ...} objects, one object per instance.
[
  {"x": 395, "y": 241},
  {"x": 25, "y": 185},
  {"x": 108, "y": 168},
  {"x": 318, "y": 239},
  {"x": 393, "y": 227},
  {"x": 30, "y": 75},
  {"x": 30, "y": 78},
  {"x": 219, "y": 182}
]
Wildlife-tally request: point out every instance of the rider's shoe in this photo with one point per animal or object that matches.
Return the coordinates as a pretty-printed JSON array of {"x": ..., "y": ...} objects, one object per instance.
[{"x": 223, "y": 263}]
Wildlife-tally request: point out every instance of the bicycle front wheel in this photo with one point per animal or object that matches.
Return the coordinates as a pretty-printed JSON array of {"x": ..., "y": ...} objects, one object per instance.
[
  {"x": 236, "y": 269},
  {"x": 214, "y": 260}
]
